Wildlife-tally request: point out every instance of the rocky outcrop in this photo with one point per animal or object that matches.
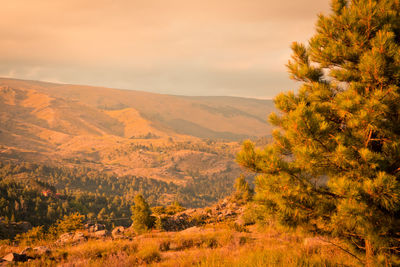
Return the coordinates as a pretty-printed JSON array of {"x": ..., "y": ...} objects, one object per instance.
[
  {"x": 178, "y": 222},
  {"x": 94, "y": 227},
  {"x": 15, "y": 257},
  {"x": 76, "y": 237},
  {"x": 79, "y": 237},
  {"x": 100, "y": 234},
  {"x": 117, "y": 232},
  {"x": 26, "y": 250},
  {"x": 223, "y": 211},
  {"x": 42, "y": 250}
]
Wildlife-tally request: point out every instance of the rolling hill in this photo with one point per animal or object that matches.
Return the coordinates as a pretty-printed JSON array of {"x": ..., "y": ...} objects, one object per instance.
[
  {"x": 230, "y": 118},
  {"x": 189, "y": 141}
]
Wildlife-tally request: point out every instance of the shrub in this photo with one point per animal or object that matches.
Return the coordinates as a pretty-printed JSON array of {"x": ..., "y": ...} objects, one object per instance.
[
  {"x": 149, "y": 254},
  {"x": 69, "y": 223},
  {"x": 33, "y": 235}
]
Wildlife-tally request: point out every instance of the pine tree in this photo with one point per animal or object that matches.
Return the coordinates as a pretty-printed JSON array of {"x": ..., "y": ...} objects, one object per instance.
[
  {"x": 243, "y": 191},
  {"x": 141, "y": 215},
  {"x": 69, "y": 223},
  {"x": 334, "y": 165}
]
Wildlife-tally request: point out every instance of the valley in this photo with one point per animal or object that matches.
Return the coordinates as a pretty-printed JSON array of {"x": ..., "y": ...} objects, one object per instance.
[{"x": 169, "y": 148}]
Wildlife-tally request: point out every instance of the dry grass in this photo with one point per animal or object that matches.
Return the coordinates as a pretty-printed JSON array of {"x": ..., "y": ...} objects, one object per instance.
[{"x": 203, "y": 247}]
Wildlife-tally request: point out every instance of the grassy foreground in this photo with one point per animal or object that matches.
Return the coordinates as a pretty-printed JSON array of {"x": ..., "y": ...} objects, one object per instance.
[{"x": 219, "y": 245}]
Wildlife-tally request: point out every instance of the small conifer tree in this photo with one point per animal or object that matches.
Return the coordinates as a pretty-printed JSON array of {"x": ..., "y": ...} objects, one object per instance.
[
  {"x": 142, "y": 220},
  {"x": 334, "y": 164},
  {"x": 68, "y": 223},
  {"x": 243, "y": 191}
]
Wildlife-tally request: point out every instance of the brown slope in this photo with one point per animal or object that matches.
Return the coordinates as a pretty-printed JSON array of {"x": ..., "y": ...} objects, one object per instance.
[
  {"x": 207, "y": 117},
  {"x": 126, "y": 132},
  {"x": 30, "y": 119}
]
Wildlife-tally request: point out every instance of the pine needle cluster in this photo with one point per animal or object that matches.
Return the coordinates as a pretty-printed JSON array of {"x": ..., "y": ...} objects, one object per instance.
[{"x": 334, "y": 165}]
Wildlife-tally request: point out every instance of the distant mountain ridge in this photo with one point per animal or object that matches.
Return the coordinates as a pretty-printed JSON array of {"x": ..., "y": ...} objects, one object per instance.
[
  {"x": 180, "y": 139},
  {"x": 231, "y": 118}
]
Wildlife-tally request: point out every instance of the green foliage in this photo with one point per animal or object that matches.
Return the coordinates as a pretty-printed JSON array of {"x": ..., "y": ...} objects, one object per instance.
[
  {"x": 69, "y": 223},
  {"x": 43, "y": 194},
  {"x": 255, "y": 213},
  {"x": 243, "y": 191},
  {"x": 174, "y": 208},
  {"x": 34, "y": 235},
  {"x": 333, "y": 167},
  {"x": 142, "y": 220}
]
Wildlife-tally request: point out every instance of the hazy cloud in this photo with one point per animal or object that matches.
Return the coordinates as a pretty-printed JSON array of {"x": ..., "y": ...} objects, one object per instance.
[{"x": 215, "y": 47}]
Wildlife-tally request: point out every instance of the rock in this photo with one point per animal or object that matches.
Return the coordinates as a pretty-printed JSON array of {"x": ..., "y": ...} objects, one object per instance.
[
  {"x": 100, "y": 234},
  {"x": 173, "y": 246},
  {"x": 71, "y": 237},
  {"x": 240, "y": 221},
  {"x": 177, "y": 222},
  {"x": 79, "y": 237},
  {"x": 229, "y": 212},
  {"x": 94, "y": 227},
  {"x": 190, "y": 211},
  {"x": 234, "y": 205},
  {"x": 26, "y": 250},
  {"x": 65, "y": 238},
  {"x": 193, "y": 229},
  {"x": 118, "y": 231},
  {"x": 15, "y": 257},
  {"x": 42, "y": 250}
]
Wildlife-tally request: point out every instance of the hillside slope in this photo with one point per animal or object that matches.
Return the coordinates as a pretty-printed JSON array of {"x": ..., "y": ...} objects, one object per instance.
[
  {"x": 190, "y": 141},
  {"x": 206, "y": 117}
]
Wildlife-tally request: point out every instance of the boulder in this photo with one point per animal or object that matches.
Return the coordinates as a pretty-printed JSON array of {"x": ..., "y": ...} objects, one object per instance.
[
  {"x": 100, "y": 234},
  {"x": 65, "y": 238},
  {"x": 192, "y": 230},
  {"x": 118, "y": 231},
  {"x": 26, "y": 250},
  {"x": 71, "y": 237},
  {"x": 229, "y": 213},
  {"x": 15, "y": 257},
  {"x": 41, "y": 250},
  {"x": 240, "y": 221},
  {"x": 94, "y": 227},
  {"x": 79, "y": 237},
  {"x": 179, "y": 222}
]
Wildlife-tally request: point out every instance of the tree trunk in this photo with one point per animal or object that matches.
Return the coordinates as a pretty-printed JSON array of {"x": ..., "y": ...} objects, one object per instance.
[{"x": 369, "y": 254}]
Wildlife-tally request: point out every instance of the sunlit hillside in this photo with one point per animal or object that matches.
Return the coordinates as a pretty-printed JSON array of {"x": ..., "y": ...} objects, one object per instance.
[{"x": 190, "y": 141}]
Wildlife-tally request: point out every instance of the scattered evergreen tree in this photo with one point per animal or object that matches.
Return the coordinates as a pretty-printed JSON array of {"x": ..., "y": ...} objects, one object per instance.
[
  {"x": 334, "y": 164},
  {"x": 69, "y": 223},
  {"x": 243, "y": 191},
  {"x": 142, "y": 220}
]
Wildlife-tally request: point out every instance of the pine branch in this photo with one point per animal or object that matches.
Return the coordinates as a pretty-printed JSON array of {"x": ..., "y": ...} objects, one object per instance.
[{"x": 343, "y": 249}]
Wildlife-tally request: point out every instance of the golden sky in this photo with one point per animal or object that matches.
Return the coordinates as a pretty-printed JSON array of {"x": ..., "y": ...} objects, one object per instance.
[{"x": 186, "y": 47}]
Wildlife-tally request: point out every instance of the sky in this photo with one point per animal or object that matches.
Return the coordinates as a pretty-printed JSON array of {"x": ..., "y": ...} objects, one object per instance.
[{"x": 183, "y": 47}]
